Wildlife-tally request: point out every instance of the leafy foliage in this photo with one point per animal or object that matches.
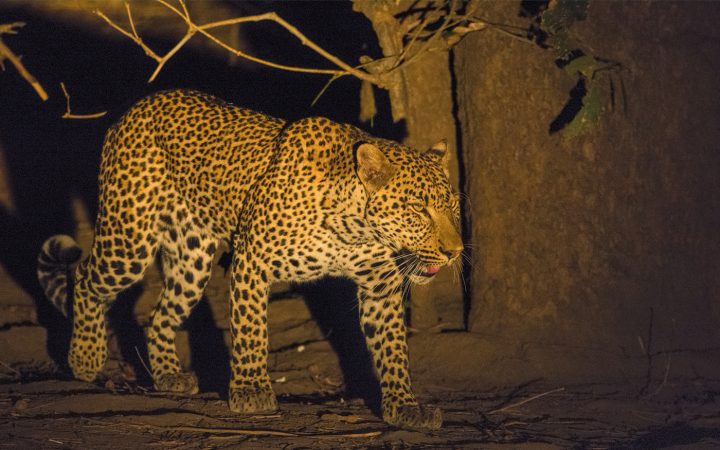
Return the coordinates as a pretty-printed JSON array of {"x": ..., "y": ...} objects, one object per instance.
[
  {"x": 561, "y": 14},
  {"x": 586, "y": 103}
]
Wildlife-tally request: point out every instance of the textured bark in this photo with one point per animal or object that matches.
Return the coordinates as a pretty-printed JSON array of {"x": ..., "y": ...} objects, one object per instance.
[
  {"x": 430, "y": 119},
  {"x": 611, "y": 238}
]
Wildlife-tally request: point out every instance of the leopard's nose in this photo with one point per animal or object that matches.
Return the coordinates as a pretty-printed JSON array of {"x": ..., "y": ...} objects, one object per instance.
[{"x": 451, "y": 253}]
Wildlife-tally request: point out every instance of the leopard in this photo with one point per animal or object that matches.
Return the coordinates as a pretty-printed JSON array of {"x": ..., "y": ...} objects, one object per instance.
[{"x": 183, "y": 172}]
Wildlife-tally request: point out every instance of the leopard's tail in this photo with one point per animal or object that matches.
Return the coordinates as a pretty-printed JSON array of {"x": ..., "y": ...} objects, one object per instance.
[{"x": 56, "y": 261}]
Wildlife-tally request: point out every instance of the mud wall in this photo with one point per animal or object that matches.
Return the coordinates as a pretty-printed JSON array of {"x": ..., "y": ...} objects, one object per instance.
[{"x": 610, "y": 240}]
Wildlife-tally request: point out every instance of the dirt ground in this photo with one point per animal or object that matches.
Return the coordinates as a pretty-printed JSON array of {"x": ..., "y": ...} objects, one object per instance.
[
  {"x": 41, "y": 408},
  {"x": 495, "y": 393}
]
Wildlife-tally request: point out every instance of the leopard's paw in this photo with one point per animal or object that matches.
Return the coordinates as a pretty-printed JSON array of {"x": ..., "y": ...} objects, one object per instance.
[
  {"x": 84, "y": 367},
  {"x": 250, "y": 400},
  {"x": 415, "y": 417},
  {"x": 178, "y": 383}
]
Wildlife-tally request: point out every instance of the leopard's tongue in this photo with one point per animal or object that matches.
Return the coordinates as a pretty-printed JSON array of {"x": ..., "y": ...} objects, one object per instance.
[{"x": 432, "y": 270}]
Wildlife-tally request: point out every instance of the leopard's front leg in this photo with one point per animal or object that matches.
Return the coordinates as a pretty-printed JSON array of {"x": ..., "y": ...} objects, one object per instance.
[
  {"x": 382, "y": 321},
  {"x": 250, "y": 388}
]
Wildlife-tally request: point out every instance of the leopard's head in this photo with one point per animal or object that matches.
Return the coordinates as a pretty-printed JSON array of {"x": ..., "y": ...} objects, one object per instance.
[{"x": 411, "y": 206}]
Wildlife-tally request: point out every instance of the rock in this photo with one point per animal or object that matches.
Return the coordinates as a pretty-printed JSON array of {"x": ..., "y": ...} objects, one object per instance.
[
  {"x": 17, "y": 314},
  {"x": 23, "y": 344}
]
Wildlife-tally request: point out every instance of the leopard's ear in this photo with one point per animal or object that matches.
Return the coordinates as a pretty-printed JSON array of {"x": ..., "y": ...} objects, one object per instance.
[
  {"x": 439, "y": 153},
  {"x": 373, "y": 167}
]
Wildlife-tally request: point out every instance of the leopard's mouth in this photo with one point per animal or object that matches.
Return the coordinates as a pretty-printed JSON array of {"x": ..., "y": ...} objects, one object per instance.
[
  {"x": 429, "y": 271},
  {"x": 415, "y": 268},
  {"x": 424, "y": 273}
]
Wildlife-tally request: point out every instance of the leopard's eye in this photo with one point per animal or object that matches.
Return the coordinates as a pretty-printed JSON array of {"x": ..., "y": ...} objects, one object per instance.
[{"x": 418, "y": 207}]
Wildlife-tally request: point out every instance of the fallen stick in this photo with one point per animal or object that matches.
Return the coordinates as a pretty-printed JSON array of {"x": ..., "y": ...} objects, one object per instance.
[
  {"x": 7, "y": 366},
  {"x": 254, "y": 432},
  {"x": 527, "y": 400}
]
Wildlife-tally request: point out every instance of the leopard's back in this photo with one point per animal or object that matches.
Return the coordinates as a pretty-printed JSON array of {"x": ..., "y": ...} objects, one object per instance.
[{"x": 203, "y": 151}]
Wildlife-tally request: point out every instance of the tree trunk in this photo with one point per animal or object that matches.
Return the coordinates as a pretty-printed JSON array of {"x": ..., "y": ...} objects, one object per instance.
[
  {"x": 607, "y": 240},
  {"x": 437, "y": 305}
]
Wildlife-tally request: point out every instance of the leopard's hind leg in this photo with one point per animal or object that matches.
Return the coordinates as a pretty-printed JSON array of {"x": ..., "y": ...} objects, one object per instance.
[
  {"x": 117, "y": 260},
  {"x": 187, "y": 254},
  {"x": 132, "y": 189}
]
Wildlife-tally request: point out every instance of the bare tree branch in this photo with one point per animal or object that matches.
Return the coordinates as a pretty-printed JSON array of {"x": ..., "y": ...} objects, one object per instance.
[
  {"x": 435, "y": 27},
  {"x": 193, "y": 28},
  {"x": 68, "y": 113},
  {"x": 7, "y": 53}
]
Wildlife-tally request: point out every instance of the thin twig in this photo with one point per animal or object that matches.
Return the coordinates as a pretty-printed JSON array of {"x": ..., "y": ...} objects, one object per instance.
[
  {"x": 430, "y": 17},
  {"x": 324, "y": 88},
  {"x": 142, "y": 362},
  {"x": 520, "y": 33},
  {"x": 133, "y": 36},
  {"x": 6, "y": 52},
  {"x": 172, "y": 52},
  {"x": 426, "y": 45},
  {"x": 649, "y": 355},
  {"x": 668, "y": 357},
  {"x": 131, "y": 21},
  {"x": 7, "y": 366},
  {"x": 527, "y": 400},
  {"x": 252, "y": 432},
  {"x": 184, "y": 7},
  {"x": 68, "y": 113}
]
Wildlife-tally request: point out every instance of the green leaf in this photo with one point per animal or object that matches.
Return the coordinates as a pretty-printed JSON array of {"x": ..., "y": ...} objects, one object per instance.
[{"x": 585, "y": 65}]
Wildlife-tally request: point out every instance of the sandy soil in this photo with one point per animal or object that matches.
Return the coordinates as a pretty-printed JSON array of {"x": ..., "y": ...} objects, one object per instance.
[{"x": 42, "y": 409}]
